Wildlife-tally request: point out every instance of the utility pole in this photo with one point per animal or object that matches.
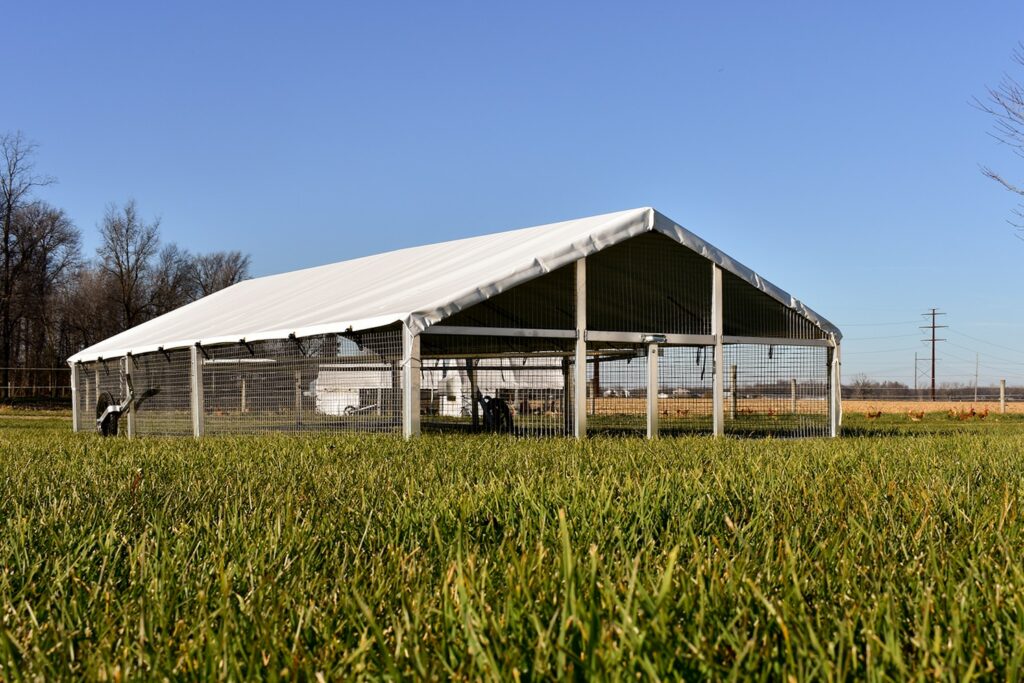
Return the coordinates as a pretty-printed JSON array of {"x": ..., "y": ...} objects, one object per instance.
[
  {"x": 918, "y": 361},
  {"x": 933, "y": 327}
]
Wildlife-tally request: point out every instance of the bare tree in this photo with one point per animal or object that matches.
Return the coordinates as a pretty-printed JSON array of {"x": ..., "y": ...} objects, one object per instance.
[
  {"x": 1005, "y": 104},
  {"x": 52, "y": 303},
  {"x": 17, "y": 180},
  {"x": 146, "y": 279},
  {"x": 88, "y": 313},
  {"x": 50, "y": 255},
  {"x": 127, "y": 248},
  {"x": 172, "y": 283},
  {"x": 220, "y": 269}
]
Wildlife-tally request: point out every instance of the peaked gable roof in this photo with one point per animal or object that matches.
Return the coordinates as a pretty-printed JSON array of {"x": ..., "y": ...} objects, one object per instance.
[{"x": 418, "y": 286}]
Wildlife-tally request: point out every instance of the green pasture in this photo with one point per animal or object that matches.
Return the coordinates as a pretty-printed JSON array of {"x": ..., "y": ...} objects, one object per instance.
[{"x": 896, "y": 552}]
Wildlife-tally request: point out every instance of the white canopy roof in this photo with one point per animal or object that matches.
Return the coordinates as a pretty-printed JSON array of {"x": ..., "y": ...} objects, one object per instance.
[{"x": 419, "y": 286}]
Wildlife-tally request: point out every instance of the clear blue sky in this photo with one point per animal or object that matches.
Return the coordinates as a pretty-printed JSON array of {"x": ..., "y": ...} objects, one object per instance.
[{"x": 830, "y": 146}]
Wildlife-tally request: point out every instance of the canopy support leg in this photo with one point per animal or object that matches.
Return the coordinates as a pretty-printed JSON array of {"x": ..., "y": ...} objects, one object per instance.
[
  {"x": 718, "y": 367},
  {"x": 410, "y": 383}
]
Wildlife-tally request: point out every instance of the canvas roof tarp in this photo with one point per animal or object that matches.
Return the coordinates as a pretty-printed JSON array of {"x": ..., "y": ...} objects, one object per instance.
[{"x": 418, "y": 286}]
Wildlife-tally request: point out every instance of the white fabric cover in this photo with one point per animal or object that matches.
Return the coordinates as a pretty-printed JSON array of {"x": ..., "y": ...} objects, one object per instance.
[{"x": 419, "y": 286}]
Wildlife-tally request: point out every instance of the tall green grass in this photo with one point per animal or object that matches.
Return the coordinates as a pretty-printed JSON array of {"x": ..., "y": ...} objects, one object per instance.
[{"x": 492, "y": 558}]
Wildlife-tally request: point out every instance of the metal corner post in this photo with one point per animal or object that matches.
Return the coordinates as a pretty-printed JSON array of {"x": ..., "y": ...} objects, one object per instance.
[
  {"x": 74, "y": 397},
  {"x": 835, "y": 394},
  {"x": 718, "y": 374},
  {"x": 652, "y": 390},
  {"x": 410, "y": 383},
  {"x": 130, "y": 417},
  {"x": 196, "y": 385},
  {"x": 580, "y": 361}
]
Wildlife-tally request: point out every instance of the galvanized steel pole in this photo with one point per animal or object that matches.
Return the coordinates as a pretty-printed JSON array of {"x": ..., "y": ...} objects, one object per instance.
[{"x": 717, "y": 388}]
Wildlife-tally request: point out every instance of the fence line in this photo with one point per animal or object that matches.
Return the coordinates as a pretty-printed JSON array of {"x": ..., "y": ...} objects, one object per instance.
[
  {"x": 37, "y": 382},
  {"x": 940, "y": 396}
]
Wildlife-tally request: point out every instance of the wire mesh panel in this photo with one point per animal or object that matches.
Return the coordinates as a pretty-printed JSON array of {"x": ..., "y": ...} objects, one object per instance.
[
  {"x": 747, "y": 311},
  {"x": 95, "y": 379},
  {"x": 546, "y": 302},
  {"x": 322, "y": 383},
  {"x": 649, "y": 283},
  {"x": 776, "y": 390},
  {"x": 489, "y": 384},
  {"x": 162, "y": 392},
  {"x": 684, "y": 390},
  {"x": 617, "y": 401},
  {"x": 85, "y": 398}
]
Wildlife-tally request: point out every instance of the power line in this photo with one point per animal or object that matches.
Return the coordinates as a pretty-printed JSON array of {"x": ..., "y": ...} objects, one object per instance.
[
  {"x": 909, "y": 348},
  {"x": 988, "y": 355},
  {"x": 900, "y": 322},
  {"x": 891, "y": 336},
  {"x": 983, "y": 341}
]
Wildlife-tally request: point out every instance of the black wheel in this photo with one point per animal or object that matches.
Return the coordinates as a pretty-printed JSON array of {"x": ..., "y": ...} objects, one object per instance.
[{"x": 108, "y": 427}]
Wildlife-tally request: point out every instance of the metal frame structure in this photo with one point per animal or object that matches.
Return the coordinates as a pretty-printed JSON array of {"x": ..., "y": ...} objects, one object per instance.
[{"x": 617, "y": 340}]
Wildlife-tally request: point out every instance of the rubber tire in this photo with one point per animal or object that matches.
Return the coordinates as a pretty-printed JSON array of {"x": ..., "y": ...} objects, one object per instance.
[{"x": 109, "y": 425}]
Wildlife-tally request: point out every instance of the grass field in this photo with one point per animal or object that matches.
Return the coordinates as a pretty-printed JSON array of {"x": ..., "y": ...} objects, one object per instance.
[
  {"x": 893, "y": 553},
  {"x": 902, "y": 406}
]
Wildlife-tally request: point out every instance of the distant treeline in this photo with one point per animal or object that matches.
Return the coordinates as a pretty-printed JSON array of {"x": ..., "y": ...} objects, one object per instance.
[{"x": 56, "y": 300}]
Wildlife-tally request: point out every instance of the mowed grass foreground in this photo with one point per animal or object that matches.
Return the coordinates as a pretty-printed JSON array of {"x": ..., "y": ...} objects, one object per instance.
[{"x": 484, "y": 558}]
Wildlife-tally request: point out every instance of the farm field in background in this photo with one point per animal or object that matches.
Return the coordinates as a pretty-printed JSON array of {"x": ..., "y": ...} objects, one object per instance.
[
  {"x": 873, "y": 405},
  {"x": 896, "y": 552}
]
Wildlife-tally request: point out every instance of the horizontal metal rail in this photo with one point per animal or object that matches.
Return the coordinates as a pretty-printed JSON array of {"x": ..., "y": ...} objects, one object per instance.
[
  {"x": 776, "y": 341},
  {"x": 643, "y": 338},
  {"x": 500, "y": 332},
  {"x": 622, "y": 337}
]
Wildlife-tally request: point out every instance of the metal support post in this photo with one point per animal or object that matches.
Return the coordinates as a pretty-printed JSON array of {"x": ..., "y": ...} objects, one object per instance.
[
  {"x": 717, "y": 373},
  {"x": 835, "y": 389},
  {"x": 652, "y": 391},
  {"x": 410, "y": 383},
  {"x": 1002, "y": 396},
  {"x": 792, "y": 396},
  {"x": 74, "y": 397},
  {"x": 129, "y": 366},
  {"x": 196, "y": 382},
  {"x": 580, "y": 368}
]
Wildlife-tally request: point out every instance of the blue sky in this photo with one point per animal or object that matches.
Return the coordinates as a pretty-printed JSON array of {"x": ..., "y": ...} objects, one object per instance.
[{"x": 830, "y": 146}]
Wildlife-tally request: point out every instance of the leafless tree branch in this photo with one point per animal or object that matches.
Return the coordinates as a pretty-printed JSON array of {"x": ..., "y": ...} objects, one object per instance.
[{"x": 1005, "y": 104}]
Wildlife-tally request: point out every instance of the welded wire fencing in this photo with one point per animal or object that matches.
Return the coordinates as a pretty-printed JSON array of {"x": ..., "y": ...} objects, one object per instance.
[
  {"x": 617, "y": 401},
  {"x": 162, "y": 392},
  {"x": 778, "y": 390},
  {"x": 519, "y": 386},
  {"x": 520, "y": 395},
  {"x": 685, "y": 390},
  {"x": 323, "y": 383},
  {"x": 515, "y": 385}
]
